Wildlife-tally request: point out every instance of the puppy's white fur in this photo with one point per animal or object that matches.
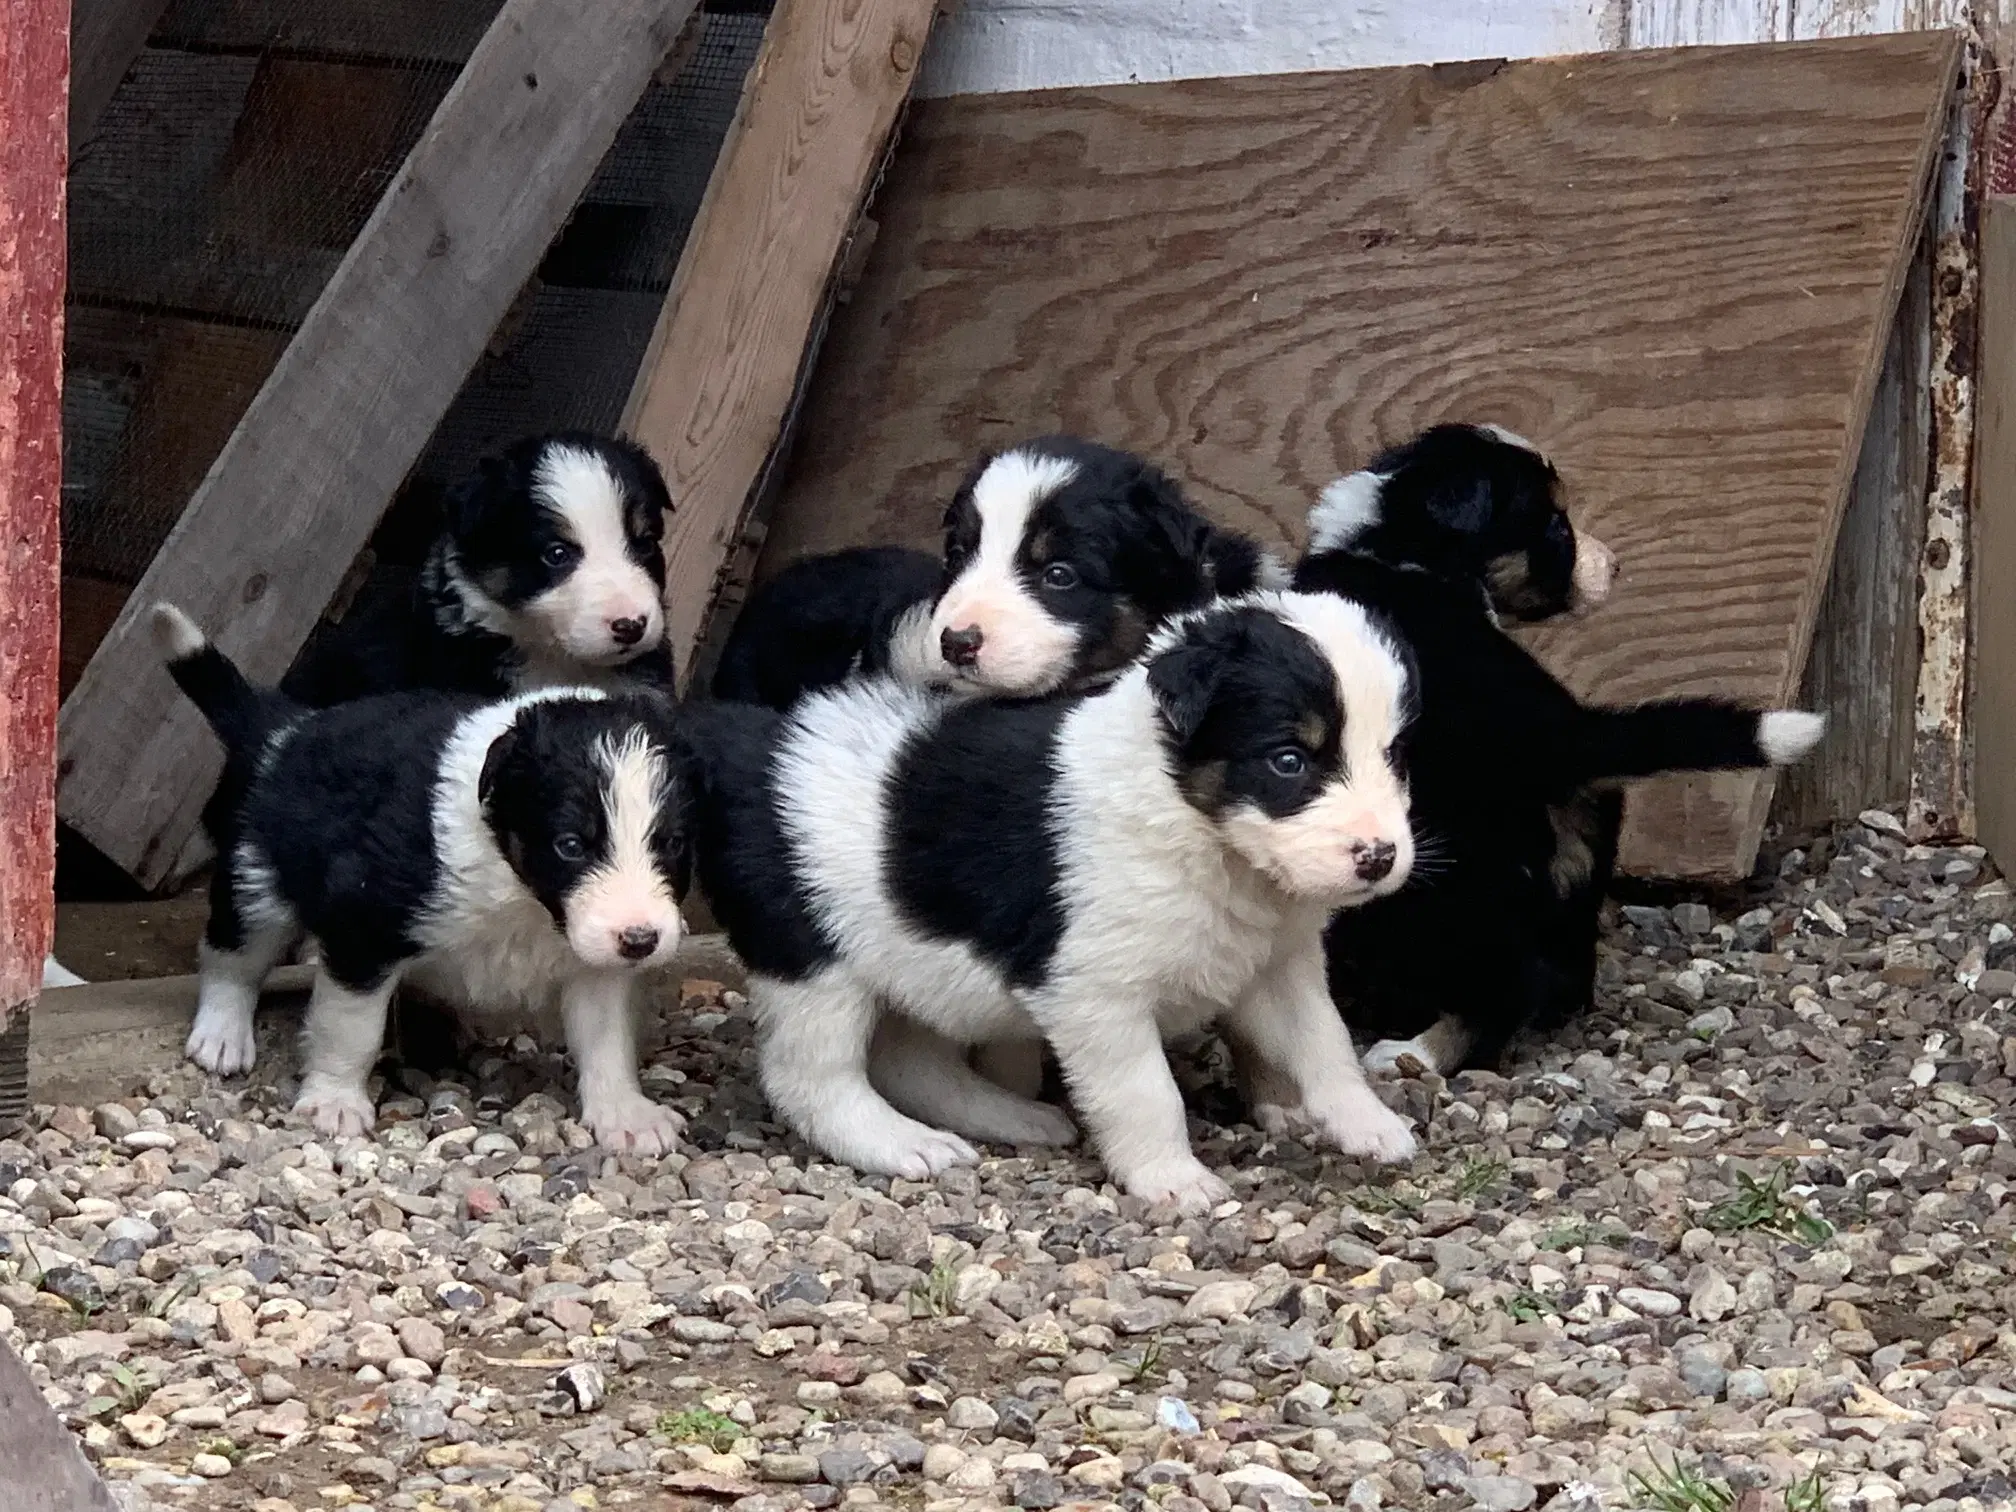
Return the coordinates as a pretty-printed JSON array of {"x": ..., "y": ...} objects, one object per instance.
[
  {"x": 1168, "y": 925},
  {"x": 627, "y": 891},
  {"x": 1345, "y": 510},
  {"x": 1023, "y": 650}
]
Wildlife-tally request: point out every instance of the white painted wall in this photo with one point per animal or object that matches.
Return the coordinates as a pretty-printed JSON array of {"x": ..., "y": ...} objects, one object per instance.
[{"x": 986, "y": 46}]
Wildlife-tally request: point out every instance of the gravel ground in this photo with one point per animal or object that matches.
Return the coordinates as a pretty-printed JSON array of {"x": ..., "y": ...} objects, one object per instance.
[{"x": 1741, "y": 1239}]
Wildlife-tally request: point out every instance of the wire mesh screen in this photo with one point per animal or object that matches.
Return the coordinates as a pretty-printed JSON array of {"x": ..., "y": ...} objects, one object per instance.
[{"x": 232, "y": 169}]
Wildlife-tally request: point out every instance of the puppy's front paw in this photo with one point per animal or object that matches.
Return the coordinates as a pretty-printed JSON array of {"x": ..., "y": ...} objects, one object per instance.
[
  {"x": 924, "y": 1154},
  {"x": 632, "y": 1124},
  {"x": 340, "y": 1112},
  {"x": 1359, "y": 1124},
  {"x": 1185, "y": 1184},
  {"x": 222, "y": 1042}
]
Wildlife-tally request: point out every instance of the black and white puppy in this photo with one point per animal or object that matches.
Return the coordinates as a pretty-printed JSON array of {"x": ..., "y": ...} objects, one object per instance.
[
  {"x": 518, "y": 857},
  {"x": 1515, "y": 807},
  {"x": 1100, "y": 871},
  {"x": 547, "y": 572},
  {"x": 1061, "y": 559}
]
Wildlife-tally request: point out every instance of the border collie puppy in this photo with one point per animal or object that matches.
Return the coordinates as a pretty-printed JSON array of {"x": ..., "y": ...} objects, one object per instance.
[
  {"x": 1061, "y": 559},
  {"x": 547, "y": 572},
  {"x": 1514, "y": 807},
  {"x": 1102, "y": 871},
  {"x": 516, "y": 856}
]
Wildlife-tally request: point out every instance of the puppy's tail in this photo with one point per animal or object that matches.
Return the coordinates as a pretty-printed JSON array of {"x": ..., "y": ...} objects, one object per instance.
[
  {"x": 242, "y": 715},
  {"x": 1689, "y": 735}
]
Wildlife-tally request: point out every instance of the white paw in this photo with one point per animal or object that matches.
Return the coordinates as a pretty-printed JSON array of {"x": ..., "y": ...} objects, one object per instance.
[
  {"x": 337, "y": 1111},
  {"x": 1359, "y": 1124},
  {"x": 1184, "y": 1184},
  {"x": 632, "y": 1124},
  {"x": 1402, "y": 1057},
  {"x": 911, "y": 1149},
  {"x": 222, "y": 1042}
]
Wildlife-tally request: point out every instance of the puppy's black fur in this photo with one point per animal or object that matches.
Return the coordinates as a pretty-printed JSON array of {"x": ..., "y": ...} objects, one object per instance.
[
  {"x": 1515, "y": 809},
  {"x": 421, "y": 628},
  {"x": 1112, "y": 554},
  {"x": 822, "y": 620}
]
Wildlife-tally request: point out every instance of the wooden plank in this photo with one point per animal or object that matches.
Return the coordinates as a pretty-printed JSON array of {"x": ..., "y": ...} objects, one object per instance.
[
  {"x": 40, "y": 1463},
  {"x": 717, "y": 383},
  {"x": 105, "y": 37},
  {"x": 439, "y": 31},
  {"x": 1676, "y": 270},
  {"x": 34, "y": 128},
  {"x": 1995, "y": 540},
  {"x": 1863, "y": 670},
  {"x": 296, "y": 491}
]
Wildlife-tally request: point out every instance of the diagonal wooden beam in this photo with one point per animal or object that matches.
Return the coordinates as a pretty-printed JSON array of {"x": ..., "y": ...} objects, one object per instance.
[
  {"x": 295, "y": 492},
  {"x": 716, "y": 385}
]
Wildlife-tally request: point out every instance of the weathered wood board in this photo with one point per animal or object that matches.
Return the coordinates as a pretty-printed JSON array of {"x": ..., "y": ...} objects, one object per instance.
[
  {"x": 34, "y": 131},
  {"x": 295, "y": 492},
  {"x": 1675, "y": 270},
  {"x": 717, "y": 384},
  {"x": 1994, "y": 692}
]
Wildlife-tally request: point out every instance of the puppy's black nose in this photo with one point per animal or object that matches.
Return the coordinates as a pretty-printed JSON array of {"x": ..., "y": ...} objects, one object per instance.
[
  {"x": 637, "y": 942},
  {"x": 961, "y": 647},
  {"x": 627, "y": 632},
  {"x": 1375, "y": 861}
]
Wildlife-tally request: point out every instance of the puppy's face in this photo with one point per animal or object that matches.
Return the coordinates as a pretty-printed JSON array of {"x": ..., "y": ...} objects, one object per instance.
[
  {"x": 1284, "y": 716},
  {"x": 1061, "y": 558},
  {"x": 586, "y": 804},
  {"x": 560, "y": 535},
  {"x": 1477, "y": 501}
]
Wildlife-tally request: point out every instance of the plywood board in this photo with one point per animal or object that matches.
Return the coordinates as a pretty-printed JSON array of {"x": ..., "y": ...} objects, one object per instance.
[
  {"x": 717, "y": 384},
  {"x": 1675, "y": 270},
  {"x": 1995, "y": 541},
  {"x": 295, "y": 492}
]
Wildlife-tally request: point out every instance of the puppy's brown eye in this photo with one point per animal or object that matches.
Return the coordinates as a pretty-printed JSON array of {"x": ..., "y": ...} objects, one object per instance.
[
  {"x": 1288, "y": 762},
  {"x": 559, "y": 554},
  {"x": 1060, "y": 575},
  {"x": 569, "y": 847}
]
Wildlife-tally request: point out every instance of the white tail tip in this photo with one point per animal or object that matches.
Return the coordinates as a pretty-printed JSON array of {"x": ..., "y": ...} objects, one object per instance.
[
  {"x": 176, "y": 634},
  {"x": 1345, "y": 510},
  {"x": 1786, "y": 735}
]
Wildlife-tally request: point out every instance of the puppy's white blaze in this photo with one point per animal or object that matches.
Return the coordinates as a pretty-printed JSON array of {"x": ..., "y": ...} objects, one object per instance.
[
  {"x": 1273, "y": 573},
  {"x": 1786, "y": 735},
  {"x": 1595, "y": 570},
  {"x": 1510, "y": 438},
  {"x": 176, "y": 634},
  {"x": 605, "y": 585},
  {"x": 1345, "y": 510},
  {"x": 1022, "y": 649},
  {"x": 628, "y": 890}
]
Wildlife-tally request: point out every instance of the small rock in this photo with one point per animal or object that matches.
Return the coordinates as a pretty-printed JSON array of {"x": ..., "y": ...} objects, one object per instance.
[
  {"x": 145, "y": 1429},
  {"x": 1648, "y": 1303},
  {"x": 789, "y": 1469},
  {"x": 422, "y": 1340},
  {"x": 940, "y": 1460},
  {"x": 846, "y": 1467},
  {"x": 1174, "y": 1413},
  {"x": 1094, "y": 1387},
  {"x": 972, "y": 1415},
  {"x": 1221, "y": 1299},
  {"x": 1508, "y": 1493},
  {"x": 210, "y": 1466},
  {"x": 1036, "y": 1490},
  {"x": 1711, "y": 1298}
]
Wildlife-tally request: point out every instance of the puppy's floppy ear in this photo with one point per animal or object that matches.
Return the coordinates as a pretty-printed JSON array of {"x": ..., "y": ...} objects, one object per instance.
[
  {"x": 1461, "y": 504},
  {"x": 464, "y": 506},
  {"x": 1184, "y": 680},
  {"x": 501, "y": 750}
]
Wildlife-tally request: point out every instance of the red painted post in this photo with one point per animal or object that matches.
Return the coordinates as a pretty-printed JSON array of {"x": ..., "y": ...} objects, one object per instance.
[{"x": 34, "y": 126}]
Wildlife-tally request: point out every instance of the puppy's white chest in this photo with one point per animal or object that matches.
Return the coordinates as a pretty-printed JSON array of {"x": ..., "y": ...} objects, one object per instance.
[{"x": 510, "y": 960}]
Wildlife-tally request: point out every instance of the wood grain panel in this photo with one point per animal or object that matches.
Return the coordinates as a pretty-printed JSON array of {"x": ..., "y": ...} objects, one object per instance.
[
  {"x": 1994, "y": 691},
  {"x": 295, "y": 492},
  {"x": 34, "y": 129},
  {"x": 1675, "y": 270},
  {"x": 716, "y": 387}
]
